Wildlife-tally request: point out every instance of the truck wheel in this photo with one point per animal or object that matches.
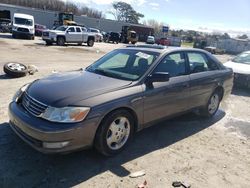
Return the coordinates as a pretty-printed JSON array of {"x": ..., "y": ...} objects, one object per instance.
[
  {"x": 90, "y": 42},
  {"x": 15, "y": 69},
  {"x": 48, "y": 43},
  {"x": 60, "y": 41},
  {"x": 32, "y": 37}
]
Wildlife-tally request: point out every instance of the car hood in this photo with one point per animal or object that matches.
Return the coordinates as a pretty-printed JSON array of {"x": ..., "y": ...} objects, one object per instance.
[
  {"x": 239, "y": 68},
  {"x": 65, "y": 89}
]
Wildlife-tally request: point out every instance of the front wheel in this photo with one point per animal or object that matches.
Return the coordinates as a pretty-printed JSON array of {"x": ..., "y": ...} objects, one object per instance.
[
  {"x": 60, "y": 41},
  {"x": 212, "y": 106},
  {"x": 114, "y": 132}
]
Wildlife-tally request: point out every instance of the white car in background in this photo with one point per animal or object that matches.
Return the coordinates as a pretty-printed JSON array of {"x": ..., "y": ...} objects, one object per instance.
[
  {"x": 241, "y": 68},
  {"x": 23, "y": 25},
  {"x": 150, "y": 40},
  {"x": 98, "y": 35}
]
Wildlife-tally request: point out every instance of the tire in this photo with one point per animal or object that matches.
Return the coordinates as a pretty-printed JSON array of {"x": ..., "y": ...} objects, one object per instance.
[
  {"x": 133, "y": 42},
  {"x": 15, "y": 69},
  {"x": 60, "y": 41},
  {"x": 212, "y": 105},
  {"x": 109, "y": 133},
  {"x": 48, "y": 43},
  {"x": 32, "y": 37},
  {"x": 90, "y": 42}
]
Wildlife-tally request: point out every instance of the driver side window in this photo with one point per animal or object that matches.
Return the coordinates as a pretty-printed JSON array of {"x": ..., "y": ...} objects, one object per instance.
[
  {"x": 174, "y": 64},
  {"x": 71, "y": 29}
]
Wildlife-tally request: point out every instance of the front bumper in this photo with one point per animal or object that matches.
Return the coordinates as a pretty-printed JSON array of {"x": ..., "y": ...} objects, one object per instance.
[
  {"x": 36, "y": 131},
  {"x": 24, "y": 34}
]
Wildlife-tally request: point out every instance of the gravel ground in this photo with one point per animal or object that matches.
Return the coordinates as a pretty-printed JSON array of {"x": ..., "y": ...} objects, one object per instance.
[{"x": 202, "y": 152}]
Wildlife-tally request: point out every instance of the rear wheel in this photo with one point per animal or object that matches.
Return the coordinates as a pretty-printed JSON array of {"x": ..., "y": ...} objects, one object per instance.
[
  {"x": 212, "y": 106},
  {"x": 114, "y": 132},
  {"x": 60, "y": 41},
  {"x": 90, "y": 42}
]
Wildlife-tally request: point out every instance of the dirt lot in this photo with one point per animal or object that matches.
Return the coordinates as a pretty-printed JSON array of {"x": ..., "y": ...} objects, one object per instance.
[{"x": 202, "y": 152}]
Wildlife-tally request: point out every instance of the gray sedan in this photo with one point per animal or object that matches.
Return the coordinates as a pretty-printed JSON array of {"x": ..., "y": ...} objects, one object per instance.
[{"x": 123, "y": 92}]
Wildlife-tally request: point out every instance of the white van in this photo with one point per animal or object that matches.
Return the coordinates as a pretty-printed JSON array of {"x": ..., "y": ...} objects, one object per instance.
[{"x": 23, "y": 25}]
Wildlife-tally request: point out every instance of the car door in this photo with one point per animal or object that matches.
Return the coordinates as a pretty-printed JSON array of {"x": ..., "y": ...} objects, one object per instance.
[
  {"x": 70, "y": 34},
  {"x": 79, "y": 35},
  {"x": 204, "y": 77},
  {"x": 163, "y": 99},
  {"x": 84, "y": 34}
]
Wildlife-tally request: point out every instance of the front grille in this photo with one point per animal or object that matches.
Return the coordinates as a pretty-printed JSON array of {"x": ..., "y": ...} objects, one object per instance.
[
  {"x": 33, "y": 106},
  {"x": 46, "y": 34},
  {"x": 23, "y": 30}
]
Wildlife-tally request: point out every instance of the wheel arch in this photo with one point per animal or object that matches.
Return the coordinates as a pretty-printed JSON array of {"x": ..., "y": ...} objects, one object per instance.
[
  {"x": 220, "y": 90},
  {"x": 128, "y": 109}
]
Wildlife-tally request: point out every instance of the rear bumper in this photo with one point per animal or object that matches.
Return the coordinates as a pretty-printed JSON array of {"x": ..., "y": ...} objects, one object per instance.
[{"x": 38, "y": 133}]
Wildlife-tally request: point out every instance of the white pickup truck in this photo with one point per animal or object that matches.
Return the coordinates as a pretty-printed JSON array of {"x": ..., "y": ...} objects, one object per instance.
[{"x": 68, "y": 34}]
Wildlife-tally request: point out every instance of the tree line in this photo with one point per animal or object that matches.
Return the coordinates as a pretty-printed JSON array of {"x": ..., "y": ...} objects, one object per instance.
[{"x": 57, "y": 5}]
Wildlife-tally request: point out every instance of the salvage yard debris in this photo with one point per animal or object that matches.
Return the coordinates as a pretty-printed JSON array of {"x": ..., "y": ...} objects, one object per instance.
[
  {"x": 137, "y": 174},
  {"x": 16, "y": 70}
]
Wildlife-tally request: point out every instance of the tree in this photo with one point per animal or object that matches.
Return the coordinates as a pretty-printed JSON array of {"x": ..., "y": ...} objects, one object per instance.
[
  {"x": 243, "y": 36},
  {"x": 125, "y": 12}
]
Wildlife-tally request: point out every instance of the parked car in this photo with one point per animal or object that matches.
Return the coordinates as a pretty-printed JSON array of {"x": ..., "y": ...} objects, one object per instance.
[
  {"x": 23, "y": 25},
  {"x": 68, "y": 34},
  {"x": 112, "y": 37},
  {"x": 150, "y": 40},
  {"x": 121, "y": 93},
  {"x": 98, "y": 35},
  {"x": 214, "y": 50},
  {"x": 39, "y": 29},
  {"x": 163, "y": 41},
  {"x": 5, "y": 25},
  {"x": 241, "y": 68}
]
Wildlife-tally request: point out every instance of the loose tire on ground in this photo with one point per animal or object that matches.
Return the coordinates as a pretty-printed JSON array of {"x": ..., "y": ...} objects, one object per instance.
[
  {"x": 105, "y": 131},
  {"x": 15, "y": 69}
]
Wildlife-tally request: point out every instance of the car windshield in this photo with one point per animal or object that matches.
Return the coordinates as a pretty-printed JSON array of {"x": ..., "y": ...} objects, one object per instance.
[
  {"x": 61, "y": 28},
  {"x": 124, "y": 64},
  {"x": 23, "y": 21},
  {"x": 242, "y": 58}
]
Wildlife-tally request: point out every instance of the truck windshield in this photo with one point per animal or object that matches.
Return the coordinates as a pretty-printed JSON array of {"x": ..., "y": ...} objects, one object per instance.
[
  {"x": 61, "y": 28},
  {"x": 23, "y": 21}
]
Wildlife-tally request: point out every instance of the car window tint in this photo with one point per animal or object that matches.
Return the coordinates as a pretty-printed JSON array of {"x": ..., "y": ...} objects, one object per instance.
[
  {"x": 117, "y": 61},
  {"x": 174, "y": 64},
  {"x": 199, "y": 62},
  {"x": 78, "y": 30},
  {"x": 84, "y": 29},
  {"x": 71, "y": 29}
]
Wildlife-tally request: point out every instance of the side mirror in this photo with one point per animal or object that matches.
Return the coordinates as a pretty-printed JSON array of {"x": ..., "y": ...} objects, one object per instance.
[{"x": 158, "y": 77}]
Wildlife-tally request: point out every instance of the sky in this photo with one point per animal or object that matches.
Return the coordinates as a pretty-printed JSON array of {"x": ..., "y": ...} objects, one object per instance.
[{"x": 231, "y": 16}]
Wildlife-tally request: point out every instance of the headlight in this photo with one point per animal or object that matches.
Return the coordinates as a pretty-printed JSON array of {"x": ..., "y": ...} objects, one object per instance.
[
  {"x": 66, "y": 114},
  {"x": 19, "y": 92},
  {"x": 31, "y": 30},
  {"x": 14, "y": 28}
]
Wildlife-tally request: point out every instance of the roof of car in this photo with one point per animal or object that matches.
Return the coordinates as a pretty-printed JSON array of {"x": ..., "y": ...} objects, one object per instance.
[
  {"x": 26, "y": 16},
  {"x": 161, "y": 49}
]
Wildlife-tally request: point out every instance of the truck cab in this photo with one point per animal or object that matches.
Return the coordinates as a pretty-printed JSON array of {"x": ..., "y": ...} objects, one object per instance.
[{"x": 23, "y": 25}]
